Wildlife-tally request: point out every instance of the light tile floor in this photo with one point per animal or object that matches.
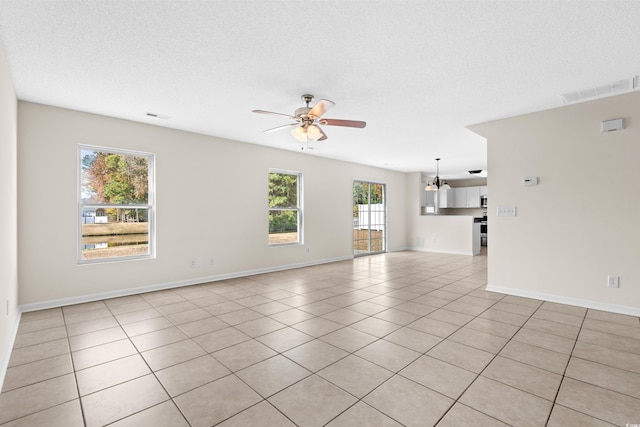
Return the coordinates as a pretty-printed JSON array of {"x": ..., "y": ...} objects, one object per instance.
[{"x": 387, "y": 340}]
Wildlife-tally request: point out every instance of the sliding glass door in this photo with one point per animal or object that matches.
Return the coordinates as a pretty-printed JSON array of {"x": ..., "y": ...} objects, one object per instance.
[{"x": 369, "y": 218}]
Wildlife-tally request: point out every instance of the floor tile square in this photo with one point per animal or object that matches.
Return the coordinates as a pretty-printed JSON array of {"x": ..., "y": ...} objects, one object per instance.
[
  {"x": 272, "y": 375},
  {"x": 244, "y": 354},
  {"x": 598, "y": 402},
  {"x": 103, "y": 353},
  {"x": 114, "y": 403},
  {"x": 172, "y": 354},
  {"x": 216, "y": 401},
  {"x": 34, "y": 372},
  {"x": 202, "y": 326},
  {"x": 315, "y": 355},
  {"x": 262, "y": 414},
  {"x": 461, "y": 415},
  {"x": 312, "y": 402},
  {"x": 317, "y": 326},
  {"x": 261, "y": 326},
  {"x": 434, "y": 327},
  {"x": 355, "y": 375},
  {"x": 67, "y": 414},
  {"x": 507, "y": 404},
  {"x": 413, "y": 339},
  {"x": 36, "y": 397},
  {"x": 462, "y": 356},
  {"x": 186, "y": 376},
  {"x": 478, "y": 339},
  {"x": 348, "y": 339},
  {"x": 388, "y": 355},
  {"x": 362, "y": 414},
  {"x": 536, "y": 356},
  {"x": 614, "y": 379},
  {"x": 562, "y": 417},
  {"x": 111, "y": 373},
  {"x": 408, "y": 402},
  {"x": 223, "y": 338},
  {"x": 291, "y": 316},
  {"x": 376, "y": 327},
  {"x": 284, "y": 339},
  {"x": 344, "y": 316},
  {"x": 164, "y": 414},
  {"x": 527, "y": 378},
  {"x": 439, "y": 376},
  {"x": 157, "y": 339},
  {"x": 33, "y": 353}
]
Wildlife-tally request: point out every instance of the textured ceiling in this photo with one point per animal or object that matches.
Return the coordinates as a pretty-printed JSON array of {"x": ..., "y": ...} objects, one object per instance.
[{"x": 417, "y": 72}]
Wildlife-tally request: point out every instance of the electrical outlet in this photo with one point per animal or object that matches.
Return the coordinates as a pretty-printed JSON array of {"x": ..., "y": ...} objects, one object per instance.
[
  {"x": 193, "y": 263},
  {"x": 506, "y": 211},
  {"x": 613, "y": 281},
  {"x": 212, "y": 261}
]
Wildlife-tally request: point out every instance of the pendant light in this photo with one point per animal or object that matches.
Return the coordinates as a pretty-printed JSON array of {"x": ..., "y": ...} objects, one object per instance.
[{"x": 436, "y": 183}]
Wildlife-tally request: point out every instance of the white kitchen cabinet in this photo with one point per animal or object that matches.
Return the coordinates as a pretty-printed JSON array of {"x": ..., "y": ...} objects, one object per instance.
[
  {"x": 446, "y": 198},
  {"x": 484, "y": 190},
  {"x": 427, "y": 198},
  {"x": 466, "y": 197}
]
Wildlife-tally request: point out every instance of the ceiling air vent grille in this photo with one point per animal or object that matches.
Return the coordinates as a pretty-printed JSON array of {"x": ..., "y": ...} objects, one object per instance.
[{"x": 601, "y": 91}]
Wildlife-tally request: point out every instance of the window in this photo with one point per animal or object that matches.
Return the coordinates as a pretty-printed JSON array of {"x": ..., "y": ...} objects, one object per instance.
[
  {"x": 285, "y": 207},
  {"x": 116, "y": 208}
]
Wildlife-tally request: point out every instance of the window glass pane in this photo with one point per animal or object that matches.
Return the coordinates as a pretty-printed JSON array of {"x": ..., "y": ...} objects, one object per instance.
[
  {"x": 115, "y": 204},
  {"x": 283, "y": 226},
  {"x": 283, "y": 190},
  {"x": 114, "y": 178},
  {"x": 108, "y": 233}
]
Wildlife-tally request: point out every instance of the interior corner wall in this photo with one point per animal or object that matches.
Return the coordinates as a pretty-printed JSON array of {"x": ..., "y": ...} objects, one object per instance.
[
  {"x": 580, "y": 223},
  {"x": 8, "y": 214},
  {"x": 211, "y": 197}
]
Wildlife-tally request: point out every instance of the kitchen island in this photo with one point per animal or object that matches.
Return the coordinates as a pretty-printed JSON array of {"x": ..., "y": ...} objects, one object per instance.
[{"x": 451, "y": 234}]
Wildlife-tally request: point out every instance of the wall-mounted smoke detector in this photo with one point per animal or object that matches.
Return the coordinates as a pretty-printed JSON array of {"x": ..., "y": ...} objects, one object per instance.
[{"x": 614, "y": 88}]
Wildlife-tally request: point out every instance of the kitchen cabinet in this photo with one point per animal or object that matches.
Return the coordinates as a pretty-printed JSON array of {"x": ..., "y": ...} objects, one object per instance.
[
  {"x": 465, "y": 197},
  {"x": 484, "y": 190},
  {"x": 427, "y": 198},
  {"x": 446, "y": 198}
]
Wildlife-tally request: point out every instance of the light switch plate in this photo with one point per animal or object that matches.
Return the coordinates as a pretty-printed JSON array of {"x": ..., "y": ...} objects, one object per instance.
[{"x": 506, "y": 211}]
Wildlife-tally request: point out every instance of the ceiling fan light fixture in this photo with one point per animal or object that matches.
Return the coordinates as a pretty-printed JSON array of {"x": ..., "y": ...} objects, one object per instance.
[
  {"x": 300, "y": 133},
  {"x": 313, "y": 132}
]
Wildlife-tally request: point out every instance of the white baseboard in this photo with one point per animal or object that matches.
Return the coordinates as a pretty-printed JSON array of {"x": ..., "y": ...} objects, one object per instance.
[
  {"x": 615, "y": 308},
  {"x": 440, "y": 251},
  {"x": 168, "y": 285},
  {"x": 5, "y": 355}
]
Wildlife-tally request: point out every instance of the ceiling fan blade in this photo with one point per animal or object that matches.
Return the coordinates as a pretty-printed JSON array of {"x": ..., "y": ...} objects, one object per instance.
[
  {"x": 280, "y": 127},
  {"x": 321, "y": 107},
  {"x": 323, "y": 136},
  {"x": 346, "y": 123},
  {"x": 273, "y": 114}
]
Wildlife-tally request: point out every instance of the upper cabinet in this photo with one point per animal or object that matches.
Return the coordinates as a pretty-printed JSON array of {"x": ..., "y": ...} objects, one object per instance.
[{"x": 461, "y": 197}]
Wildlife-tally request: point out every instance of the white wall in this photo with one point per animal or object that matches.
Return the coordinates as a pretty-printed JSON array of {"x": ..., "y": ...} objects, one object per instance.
[
  {"x": 452, "y": 234},
  {"x": 8, "y": 215},
  {"x": 224, "y": 182},
  {"x": 581, "y": 222}
]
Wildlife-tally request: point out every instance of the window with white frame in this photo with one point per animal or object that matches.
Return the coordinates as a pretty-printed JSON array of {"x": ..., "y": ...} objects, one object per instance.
[
  {"x": 116, "y": 204},
  {"x": 285, "y": 207}
]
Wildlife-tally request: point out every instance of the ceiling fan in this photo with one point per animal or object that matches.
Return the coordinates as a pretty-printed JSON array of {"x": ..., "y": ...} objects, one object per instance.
[{"x": 307, "y": 120}]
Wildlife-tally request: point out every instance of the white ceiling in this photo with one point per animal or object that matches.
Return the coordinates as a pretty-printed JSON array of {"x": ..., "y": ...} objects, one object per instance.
[{"x": 417, "y": 72}]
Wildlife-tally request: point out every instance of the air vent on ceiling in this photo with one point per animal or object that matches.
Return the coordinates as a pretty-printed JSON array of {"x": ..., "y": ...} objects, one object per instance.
[
  {"x": 601, "y": 91},
  {"x": 158, "y": 116}
]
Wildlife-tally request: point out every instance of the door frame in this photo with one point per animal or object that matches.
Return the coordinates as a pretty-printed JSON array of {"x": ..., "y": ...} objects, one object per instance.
[{"x": 385, "y": 222}]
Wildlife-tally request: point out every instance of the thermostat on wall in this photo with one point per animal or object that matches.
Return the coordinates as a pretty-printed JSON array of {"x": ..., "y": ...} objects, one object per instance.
[
  {"x": 611, "y": 125},
  {"x": 530, "y": 180}
]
